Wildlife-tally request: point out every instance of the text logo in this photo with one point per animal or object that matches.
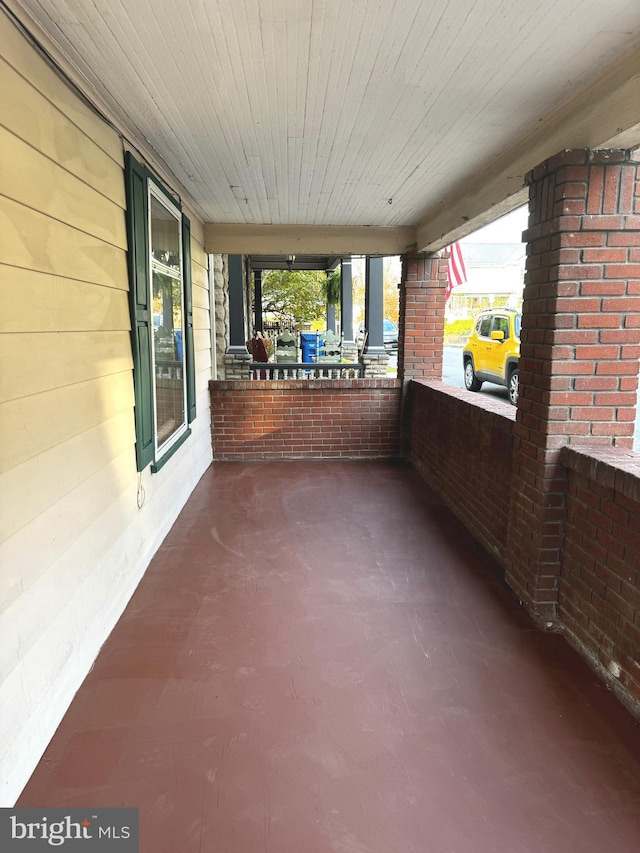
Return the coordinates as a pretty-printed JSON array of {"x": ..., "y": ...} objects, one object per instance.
[{"x": 35, "y": 830}]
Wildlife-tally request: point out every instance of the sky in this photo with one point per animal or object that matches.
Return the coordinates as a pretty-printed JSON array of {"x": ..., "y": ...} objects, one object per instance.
[{"x": 507, "y": 229}]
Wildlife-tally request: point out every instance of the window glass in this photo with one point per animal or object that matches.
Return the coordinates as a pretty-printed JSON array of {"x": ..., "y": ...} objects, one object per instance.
[
  {"x": 501, "y": 324},
  {"x": 485, "y": 326},
  {"x": 168, "y": 319},
  {"x": 517, "y": 324}
]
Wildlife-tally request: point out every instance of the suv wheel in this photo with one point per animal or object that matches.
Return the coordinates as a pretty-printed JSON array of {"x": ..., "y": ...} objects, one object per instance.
[
  {"x": 513, "y": 387},
  {"x": 471, "y": 381}
]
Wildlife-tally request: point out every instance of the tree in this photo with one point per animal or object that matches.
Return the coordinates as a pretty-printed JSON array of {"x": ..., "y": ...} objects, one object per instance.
[
  {"x": 333, "y": 284},
  {"x": 294, "y": 297},
  {"x": 391, "y": 277}
]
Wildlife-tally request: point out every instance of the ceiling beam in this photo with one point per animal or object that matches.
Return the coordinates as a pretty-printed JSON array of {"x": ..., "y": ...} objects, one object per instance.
[
  {"x": 225, "y": 238},
  {"x": 605, "y": 115},
  {"x": 281, "y": 262}
]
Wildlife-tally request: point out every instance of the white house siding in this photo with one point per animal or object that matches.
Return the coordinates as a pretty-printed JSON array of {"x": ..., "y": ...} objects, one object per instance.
[{"x": 73, "y": 542}]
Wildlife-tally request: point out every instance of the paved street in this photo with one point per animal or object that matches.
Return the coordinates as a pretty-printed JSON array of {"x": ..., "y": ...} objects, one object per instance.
[{"x": 452, "y": 374}]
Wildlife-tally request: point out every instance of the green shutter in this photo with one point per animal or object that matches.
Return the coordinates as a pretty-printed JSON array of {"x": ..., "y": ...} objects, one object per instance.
[
  {"x": 189, "y": 355},
  {"x": 141, "y": 314}
]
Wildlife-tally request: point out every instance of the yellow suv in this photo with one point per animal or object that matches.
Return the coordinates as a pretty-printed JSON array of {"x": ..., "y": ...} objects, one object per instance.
[{"x": 492, "y": 351}]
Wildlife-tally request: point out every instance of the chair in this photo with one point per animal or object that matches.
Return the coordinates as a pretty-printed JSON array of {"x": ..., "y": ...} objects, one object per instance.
[
  {"x": 259, "y": 354},
  {"x": 330, "y": 351},
  {"x": 286, "y": 349}
]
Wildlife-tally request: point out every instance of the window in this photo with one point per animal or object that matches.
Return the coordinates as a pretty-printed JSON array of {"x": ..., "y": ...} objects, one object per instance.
[
  {"x": 501, "y": 324},
  {"x": 159, "y": 260},
  {"x": 517, "y": 325},
  {"x": 484, "y": 325}
]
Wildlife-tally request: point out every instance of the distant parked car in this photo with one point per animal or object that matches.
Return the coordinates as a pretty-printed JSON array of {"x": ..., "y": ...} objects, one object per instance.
[
  {"x": 389, "y": 335},
  {"x": 492, "y": 351}
]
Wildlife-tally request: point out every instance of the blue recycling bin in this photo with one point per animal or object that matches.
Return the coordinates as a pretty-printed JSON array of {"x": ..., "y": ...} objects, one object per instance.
[
  {"x": 309, "y": 343},
  {"x": 178, "y": 337}
]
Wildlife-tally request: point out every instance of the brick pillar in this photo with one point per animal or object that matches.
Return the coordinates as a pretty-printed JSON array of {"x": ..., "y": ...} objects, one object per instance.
[
  {"x": 420, "y": 328},
  {"x": 579, "y": 352},
  {"x": 421, "y": 316}
]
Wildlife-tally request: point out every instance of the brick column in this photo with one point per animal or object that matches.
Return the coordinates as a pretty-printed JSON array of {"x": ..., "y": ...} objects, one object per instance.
[
  {"x": 580, "y": 346},
  {"x": 420, "y": 328},
  {"x": 421, "y": 316}
]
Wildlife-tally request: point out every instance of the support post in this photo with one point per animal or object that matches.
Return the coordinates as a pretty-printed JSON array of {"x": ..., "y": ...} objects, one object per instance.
[
  {"x": 374, "y": 356},
  {"x": 237, "y": 357},
  {"x": 257, "y": 300},
  {"x": 579, "y": 347},
  {"x": 349, "y": 347},
  {"x": 421, "y": 316},
  {"x": 331, "y": 314}
]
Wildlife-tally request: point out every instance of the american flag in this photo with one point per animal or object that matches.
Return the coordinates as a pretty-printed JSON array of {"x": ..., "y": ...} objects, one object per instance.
[{"x": 457, "y": 273}]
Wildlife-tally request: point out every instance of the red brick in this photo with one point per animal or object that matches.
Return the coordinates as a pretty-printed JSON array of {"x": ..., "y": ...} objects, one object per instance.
[
  {"x": 608, "y": 255},
  {"x": 592, "y": 414},
  {"x": 609, "y": 321},
  {"x": 595, "y": 383},
  {"x": 614, "y": 429},
  {"x": 611, "y": 190},
  {"x": 622, "y": 336},
  {"x": 568, "y": 206},
  {"x": 580, "y": 238},
  {"x": 574, "y": 336},
  {"x": 617, "y": 368},
  {"x": 595, "y": 190},
  {"x": 602, "y": 223},
  {"x": 605, "y": 288},
  {"x": 579, "y": 272},
  {"x": 598, "y": 351},
  {"x": 624, "y": 238}
]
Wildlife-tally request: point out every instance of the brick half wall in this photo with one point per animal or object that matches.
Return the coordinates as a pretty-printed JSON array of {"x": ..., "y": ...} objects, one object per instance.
[
  {"x": 305, "y": 419},
  {"x": 599, "y": 596},
  {"x": 462, "y": 445}
]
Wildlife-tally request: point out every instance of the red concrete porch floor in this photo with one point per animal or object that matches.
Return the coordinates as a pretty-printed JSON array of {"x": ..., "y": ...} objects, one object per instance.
[{"x": 321, "y": 659}]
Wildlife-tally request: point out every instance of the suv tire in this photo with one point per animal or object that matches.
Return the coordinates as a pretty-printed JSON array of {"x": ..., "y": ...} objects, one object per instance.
[
  {"x": 513, "y": 387},
  {"x": 471, "y": 381}
]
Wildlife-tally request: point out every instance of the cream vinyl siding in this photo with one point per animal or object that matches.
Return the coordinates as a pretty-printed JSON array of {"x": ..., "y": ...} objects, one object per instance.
[{"x": 73, "y": 541}]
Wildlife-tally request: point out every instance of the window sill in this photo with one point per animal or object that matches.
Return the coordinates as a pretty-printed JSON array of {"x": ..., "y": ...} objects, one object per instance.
[{"x": 159, "y": 463}]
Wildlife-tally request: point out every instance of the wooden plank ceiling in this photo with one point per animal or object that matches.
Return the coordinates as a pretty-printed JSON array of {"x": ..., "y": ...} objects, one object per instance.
[{"x": 367, "y": 113}]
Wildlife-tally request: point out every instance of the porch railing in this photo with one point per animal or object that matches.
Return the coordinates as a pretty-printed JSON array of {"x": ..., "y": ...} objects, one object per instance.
[{"x": 305, "y": 370}]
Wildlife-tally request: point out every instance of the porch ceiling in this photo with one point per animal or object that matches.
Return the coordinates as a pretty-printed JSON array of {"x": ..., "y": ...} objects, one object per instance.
[{"x": 419, "y": 118}]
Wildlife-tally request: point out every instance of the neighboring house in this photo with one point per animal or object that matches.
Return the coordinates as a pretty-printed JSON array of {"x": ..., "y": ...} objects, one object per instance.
[
  {"x": 495, "y": 277},
  {"x": 81, "y": 522}
]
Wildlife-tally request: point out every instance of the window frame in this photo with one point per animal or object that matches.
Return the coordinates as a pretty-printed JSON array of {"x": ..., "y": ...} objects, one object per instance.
[
  {"x": 154, "y": 191},
  {"x": 141, "y": 184},
  {"x": 488, "y": 319},
  {"x": 496, "y": 321}
]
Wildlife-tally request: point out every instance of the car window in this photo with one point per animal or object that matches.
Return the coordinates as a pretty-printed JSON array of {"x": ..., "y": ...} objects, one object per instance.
[
  {"x": 501, "y": 324},
  {"x": 484, "y": 326},
  {"x": 517, "y": 324}
]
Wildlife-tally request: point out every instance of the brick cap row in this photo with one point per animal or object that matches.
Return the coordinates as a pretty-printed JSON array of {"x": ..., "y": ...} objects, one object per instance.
[
  {"x": 613, "y": 467},
  {"x": 582, "y": 157},
  {"x": 260, "y": 385}
]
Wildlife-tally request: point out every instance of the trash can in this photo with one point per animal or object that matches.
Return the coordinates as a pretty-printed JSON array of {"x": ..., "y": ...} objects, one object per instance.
[
  {"x": 178, "y": 337},
  {"x": 309, "y": 342}
]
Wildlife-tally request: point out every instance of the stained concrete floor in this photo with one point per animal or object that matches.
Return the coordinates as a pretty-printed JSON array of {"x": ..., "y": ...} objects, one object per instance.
[{"x": 320, "y": 659}]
